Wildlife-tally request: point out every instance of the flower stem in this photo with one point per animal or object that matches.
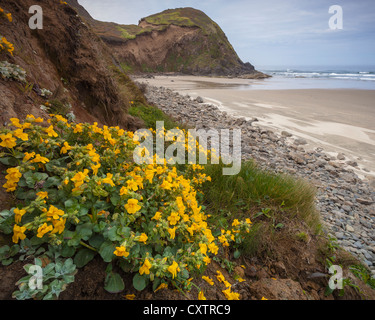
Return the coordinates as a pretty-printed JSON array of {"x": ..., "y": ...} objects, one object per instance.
[{"x": 87, "y": 246}]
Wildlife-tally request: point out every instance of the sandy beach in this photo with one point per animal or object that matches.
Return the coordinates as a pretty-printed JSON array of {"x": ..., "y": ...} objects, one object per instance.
[{"x": 337, "y": 120}]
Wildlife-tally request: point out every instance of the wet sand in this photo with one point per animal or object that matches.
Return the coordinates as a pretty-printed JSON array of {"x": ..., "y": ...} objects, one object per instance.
[{"x": 337, "y": 120}]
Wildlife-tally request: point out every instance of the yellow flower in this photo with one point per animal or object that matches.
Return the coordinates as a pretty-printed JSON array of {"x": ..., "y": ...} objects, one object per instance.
[
  {"x": 28, "y": 156},
  {"x": 162, "y": 286},
  {"x": 173, "y": 218},
  {"x": 132, "y": 206},
  {"x": 130, "y": 296},
  {"x": 145, "y": 268},
  {"x": 15, "y": 122},
  {"x": 8, "y": 141},
  {"x": 13, "y": 174},
  {"x": 123, "y": 191},
  {"x": 51, "y": 132},
  {"x": 173, "y": 269},
  {"x": 78, "y": 128},
  {"x": 39, "y": 158},
  {"x": 166, "y": 185},
  {"x": 213, "y": 248},
  {"x": 143, "y": 238},
  {"x": 172, "y": 232},
  {"x": 21, "y": 135},
  {"x": 18, "y": 233},
  {"x": 59, "y": 226},
  {"x": 18, "y": 214},
  {"x": 12, "y": 177},
  {"x": 55, "y": 213},
  {"x": 235, "y": 223},
  {"x": 79, "y": 178},
  {"x": 108, "y": 179},
  {"x": 231, "y": 295},
  {"x": 95, "y": 168},
  {"x": 121, "y": 252},
  {"x": 42, "y": 194},
  {"x": 208, "y": 280},
  {"x": 203, "y": 248},
  {"x": 157, "y": 216},
  {"x": 132, "y": 185},
  {"x": 263, "y": 298},
  {"x": 201, "y": 296},
  {"x": 220, "y": 277},
  {"x": 65, "y": 148},
  {"x": 42, "y": 230},
  {"x": 206, "y": 260}
]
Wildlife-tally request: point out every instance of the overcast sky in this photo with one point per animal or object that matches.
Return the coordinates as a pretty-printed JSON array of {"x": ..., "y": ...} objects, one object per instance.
[{"x": 271, "y": 32}]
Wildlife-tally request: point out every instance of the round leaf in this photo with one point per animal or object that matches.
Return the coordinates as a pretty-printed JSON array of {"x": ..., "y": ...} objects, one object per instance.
[
  {"x": 83, "y": 257},
  {"x": 139, "y": 282},
  {"x": 114, "y": 283}
]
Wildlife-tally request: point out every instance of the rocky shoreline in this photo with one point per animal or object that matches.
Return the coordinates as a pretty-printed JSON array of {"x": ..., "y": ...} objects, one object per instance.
[{"x": 346, "y": 202}]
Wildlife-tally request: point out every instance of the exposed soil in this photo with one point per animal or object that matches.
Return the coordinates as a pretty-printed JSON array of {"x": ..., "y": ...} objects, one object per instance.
[{"x": 65, "y": 57}]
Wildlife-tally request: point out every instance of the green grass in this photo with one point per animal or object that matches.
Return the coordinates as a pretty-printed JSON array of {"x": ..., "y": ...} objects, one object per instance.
[
  {"x": 150, "y": 114},
  {"x": 185, "y": 17},
  {"x": 270, "y": 200}
]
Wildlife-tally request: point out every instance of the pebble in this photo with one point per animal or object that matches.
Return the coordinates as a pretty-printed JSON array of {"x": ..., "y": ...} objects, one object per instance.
[{"x": 344, "y": 200}]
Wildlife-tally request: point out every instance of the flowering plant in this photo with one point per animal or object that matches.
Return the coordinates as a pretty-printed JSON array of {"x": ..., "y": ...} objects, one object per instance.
[{"x": 83, "y": 193}]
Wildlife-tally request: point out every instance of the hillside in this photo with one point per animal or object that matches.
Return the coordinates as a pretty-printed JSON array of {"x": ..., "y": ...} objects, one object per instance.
[
  {"x": 67, "y": 59},
  {"x": 183, "y": 40}
]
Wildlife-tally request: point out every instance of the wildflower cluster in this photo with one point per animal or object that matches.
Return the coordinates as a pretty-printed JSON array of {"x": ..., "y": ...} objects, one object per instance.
[
  {"x": 83, "y": 191},
  {"x": 6, "y": 15},
  {"x": 5, "y": 45}
]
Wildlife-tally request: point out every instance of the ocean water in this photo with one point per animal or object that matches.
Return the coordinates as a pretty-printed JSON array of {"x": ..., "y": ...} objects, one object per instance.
[{"x": 302, "y": 77}]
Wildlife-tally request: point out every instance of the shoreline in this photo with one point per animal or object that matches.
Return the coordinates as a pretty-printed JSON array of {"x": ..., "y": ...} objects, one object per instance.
[
  {"x": 345, "y": 200},
  {"x": 338, "y": 120}
]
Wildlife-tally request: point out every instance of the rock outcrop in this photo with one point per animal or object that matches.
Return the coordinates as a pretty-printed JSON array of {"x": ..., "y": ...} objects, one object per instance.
[{"x": 183, "y": 40}]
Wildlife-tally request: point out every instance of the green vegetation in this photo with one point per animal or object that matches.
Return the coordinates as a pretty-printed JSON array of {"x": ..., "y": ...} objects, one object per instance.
[
  {"x": 150, "y": 114},
  {"x": 184, "y": 17},
  {"x": 270, "y": 200}
]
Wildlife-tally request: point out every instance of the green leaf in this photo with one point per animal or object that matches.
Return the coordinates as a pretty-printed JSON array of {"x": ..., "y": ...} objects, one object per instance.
[
  {"x": 96, "y": 241},
  {"x": 112, "y": 234},
  {"x": 139, "y": 282},
  {"x": 69, "y": 203},
  {"x": 115, "y": 199},
  {"x": 9, "y": 161},
  {"x": 26, "y": 195},
  {"x": 39, "y": 176},
  {"x": 83, "y": 257},
  {"x": 237, "y": 254},
  {"x": 7, "y": 262},
  {"x": 156, "y": 284},
  {"x": 67, "y": 251},
  {"x": 106, "y": 251},
  {"x": 85, "y": 230},
  {"x": 114, "y": 283}
]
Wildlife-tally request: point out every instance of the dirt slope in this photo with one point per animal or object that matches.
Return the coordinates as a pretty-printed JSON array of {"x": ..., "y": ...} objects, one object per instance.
[{"x": 65, "y": 57}]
